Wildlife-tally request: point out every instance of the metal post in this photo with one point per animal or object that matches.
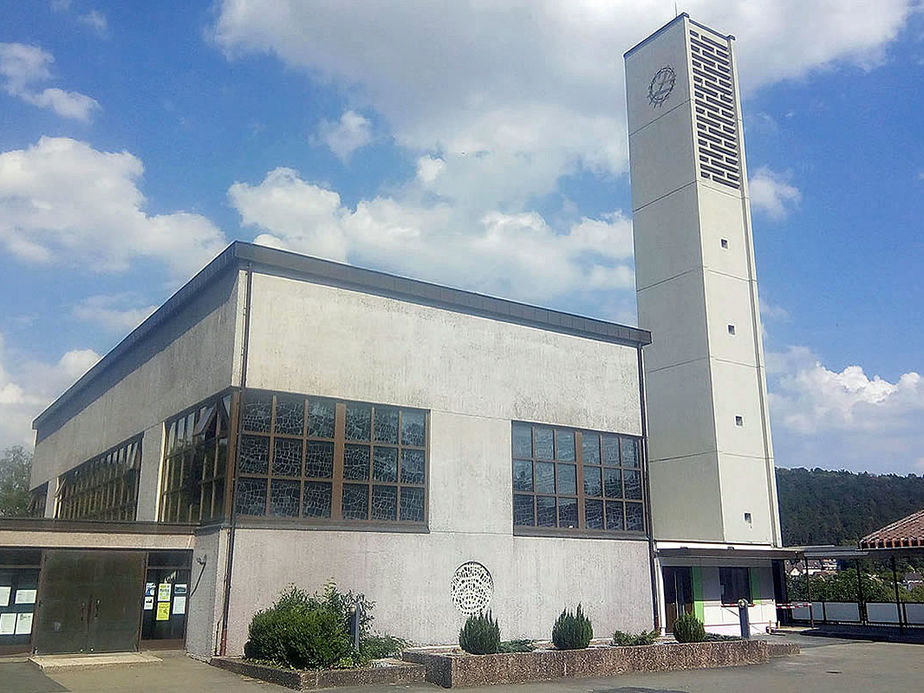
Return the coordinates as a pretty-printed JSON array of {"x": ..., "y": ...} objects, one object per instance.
[
  {"x": 357, "y": 620},
  {"x": 898, "y": 602},
  {"x": 861, "y": 600},
  {"x": 743, "y": 619},
  {"x": 808, "y": 593}
]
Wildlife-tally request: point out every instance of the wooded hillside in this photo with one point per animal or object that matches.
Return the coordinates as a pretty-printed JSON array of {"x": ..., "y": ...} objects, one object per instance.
[{"x": 822, "y": 507}]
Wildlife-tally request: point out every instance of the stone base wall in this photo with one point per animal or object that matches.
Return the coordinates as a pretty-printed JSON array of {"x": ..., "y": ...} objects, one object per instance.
[
  {"x": 456, "y": 669},
  {"x": 300, "y": 680}
]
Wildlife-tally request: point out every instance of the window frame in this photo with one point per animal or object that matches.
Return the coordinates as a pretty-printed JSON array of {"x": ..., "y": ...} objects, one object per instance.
[
  {"x": 724, "y": 572},
  {"x": 337, "y": 480},
  {"x": 168, "y": 455},
  {"x": 581, "y": 530},
  {"x": 88, "y": 491}
]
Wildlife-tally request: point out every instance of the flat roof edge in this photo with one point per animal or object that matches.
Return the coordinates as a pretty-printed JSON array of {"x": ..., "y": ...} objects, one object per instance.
[
  {"x": 417, "y": 291},
  {"x": 679, "y": 17}
]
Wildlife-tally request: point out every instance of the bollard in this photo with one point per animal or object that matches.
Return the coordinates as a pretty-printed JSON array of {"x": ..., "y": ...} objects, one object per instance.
[
  {"x": 355, "y": 623},
  {"x": 743, "y": 619}
]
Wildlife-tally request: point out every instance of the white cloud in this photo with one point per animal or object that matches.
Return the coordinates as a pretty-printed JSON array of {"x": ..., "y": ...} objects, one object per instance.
[
  {"x": 63, "y": 202},
  {"x": 517, "y": 255},
  {"x": 96, "y": 20},
  {"x": 118, "y": 314},
  {"x": 34, "y": 386},
  {"x": 772, "y": 311},
  {"x": 514, "y": 95},
  {"x": 352, "y": 132},
  {"x": 22, "y": 65},
  {"x": 771, "y": 194},
  {"x": 844, "y": 419}
]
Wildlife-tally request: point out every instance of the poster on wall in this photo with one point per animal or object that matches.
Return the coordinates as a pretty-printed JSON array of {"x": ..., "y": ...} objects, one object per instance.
[
  {"x": 163, "y": 592},
  {"x": 5, "y": 595},
  {"x": 23, "y": 624},
  {"x": 149, "y": 588},
  {"x": 179, "y": 605},
  {"x": 148, "y": 603},
  {"x": 25, "y": 597},
  {"x": 179, "y": 588},
  {"x": 163, "y": 611},
  {"x": 7, "y": 624}
]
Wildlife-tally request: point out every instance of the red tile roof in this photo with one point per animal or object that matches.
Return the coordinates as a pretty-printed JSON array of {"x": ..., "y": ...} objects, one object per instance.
[{"x": 907, "y": 532}]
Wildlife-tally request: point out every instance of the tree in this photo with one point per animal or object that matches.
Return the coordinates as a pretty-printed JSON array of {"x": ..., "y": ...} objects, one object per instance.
[{"x": 15, "y": 470}]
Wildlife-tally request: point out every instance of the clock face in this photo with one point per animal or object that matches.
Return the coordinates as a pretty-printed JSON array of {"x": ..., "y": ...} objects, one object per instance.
[{"x": 661, "y": 86}]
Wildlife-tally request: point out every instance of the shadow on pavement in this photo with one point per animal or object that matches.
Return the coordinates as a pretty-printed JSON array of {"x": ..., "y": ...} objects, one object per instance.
[{"x": 23, "y": 677}]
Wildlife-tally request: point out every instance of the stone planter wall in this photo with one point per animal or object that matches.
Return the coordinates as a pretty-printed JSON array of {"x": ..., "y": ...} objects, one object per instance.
[
  {"x": 300, "y": 680},
  {"x": 454, "y": 669}
]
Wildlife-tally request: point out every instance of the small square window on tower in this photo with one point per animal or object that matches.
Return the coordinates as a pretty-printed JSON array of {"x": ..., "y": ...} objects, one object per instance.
[
  {"x": 739, "y": 421},
  {"x": 724, "y": 242},
  {"x": 731, "y": 329},
  {"x": 747, "y": 518}
]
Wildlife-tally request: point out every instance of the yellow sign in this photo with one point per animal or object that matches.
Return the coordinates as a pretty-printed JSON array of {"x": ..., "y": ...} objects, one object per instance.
[
  {"x": 163, "y": 592},
  {"x": 163, "y": 611}
]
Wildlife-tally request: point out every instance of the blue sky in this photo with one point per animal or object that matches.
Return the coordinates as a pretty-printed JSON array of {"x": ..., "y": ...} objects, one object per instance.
[{"x": 480, "y": 145}]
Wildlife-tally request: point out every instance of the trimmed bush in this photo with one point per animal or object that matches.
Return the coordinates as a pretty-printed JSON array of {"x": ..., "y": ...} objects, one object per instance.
[
  {"x": 480, "y": 634},
  {"x": 312, "y": 631},
  {"x": 688, "y": 628},
  {"x": 298, "y": 637},
  {"x": 572, "y": 631},
  {"x": 646, "y": 637}
]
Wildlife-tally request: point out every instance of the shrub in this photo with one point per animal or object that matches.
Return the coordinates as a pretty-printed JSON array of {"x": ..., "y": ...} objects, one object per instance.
[
  {"x": 516, "y": 646},
  {"x": 310, "y": 631},
  {"x": 380, "y": 646},
  {"x": 480, "y": 634},
  {"x": 298, "y": 637},
  {"x": 572, "y": 631},
  {"x": 646, "y": 637},
  {"x": 688, "y": 628}
]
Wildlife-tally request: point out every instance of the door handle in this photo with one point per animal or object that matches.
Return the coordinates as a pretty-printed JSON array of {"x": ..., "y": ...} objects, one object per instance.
[
  {"x": 94, "y": 613},
  {"x": 84, "y": 615}
]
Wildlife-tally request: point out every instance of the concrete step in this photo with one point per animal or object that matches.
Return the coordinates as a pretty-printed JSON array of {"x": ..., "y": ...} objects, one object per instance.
[{"x": 86, "y": 661}]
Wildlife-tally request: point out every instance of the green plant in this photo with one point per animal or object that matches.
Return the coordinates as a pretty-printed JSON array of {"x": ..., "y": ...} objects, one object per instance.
[
  {"x": 718, "y": 637},
  {"x": 516, "y": 646},
  {"x": 310, "y": 631},
  {"x": 480, "y": 634},
  {"x": 380, "y": 646},
  {"x": 646, "y": 637},
  {"x": 572, "y": 631},
  {"x": 298, "y": 637},
  {"x": 688, "y": 628}
]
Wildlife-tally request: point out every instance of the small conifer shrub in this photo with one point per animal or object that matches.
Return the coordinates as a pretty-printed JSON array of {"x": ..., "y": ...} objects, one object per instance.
[
  {"x": 572, "y": 631},
  {"x": 688, "y": 628},
  {"x": 480, "y": 634}
]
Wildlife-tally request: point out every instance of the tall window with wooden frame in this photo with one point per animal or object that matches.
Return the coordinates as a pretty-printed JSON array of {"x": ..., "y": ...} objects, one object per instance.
[
  {"x": 195, "y": 467},
  {"x": 102, "y": 488},
  {"x": 571, "y": 479},
  {"x": 329, "y": 461}
]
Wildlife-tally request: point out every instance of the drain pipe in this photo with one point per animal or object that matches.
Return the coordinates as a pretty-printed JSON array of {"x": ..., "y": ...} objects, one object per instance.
[
  {"x": 655, "y": 596},
  {"x": 226, "y": 607}
]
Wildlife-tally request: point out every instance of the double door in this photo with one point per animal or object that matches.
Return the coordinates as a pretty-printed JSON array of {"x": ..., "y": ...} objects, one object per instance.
[{"x": 89, "y": 601}]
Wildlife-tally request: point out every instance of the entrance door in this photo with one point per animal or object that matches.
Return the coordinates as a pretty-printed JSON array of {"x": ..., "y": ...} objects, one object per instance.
[
  {"x": 678, "y": 594},
  {"x": 89, "y": 602}
]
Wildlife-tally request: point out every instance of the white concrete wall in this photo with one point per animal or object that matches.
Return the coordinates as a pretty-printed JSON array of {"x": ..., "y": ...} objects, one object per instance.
[
  {"x": 206, "y": 602},
  {"x": 194, "y": 365},
  {"x": 318, "y": 340},
  {"x": 723, "y": 619},
  {"x": 408, "y": 576},
  {"x": 475, "y": 376}
]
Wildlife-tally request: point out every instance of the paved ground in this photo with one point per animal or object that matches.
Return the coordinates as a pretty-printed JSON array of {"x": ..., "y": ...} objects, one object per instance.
[{"x": 824, "y": 665}]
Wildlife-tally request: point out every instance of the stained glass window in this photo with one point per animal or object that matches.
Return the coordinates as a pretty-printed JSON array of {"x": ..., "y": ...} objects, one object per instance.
[
  {"x": 195, "y": 463},
  {"x": 315, "y": 458},
  {"x": 572, "y": 479}
]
